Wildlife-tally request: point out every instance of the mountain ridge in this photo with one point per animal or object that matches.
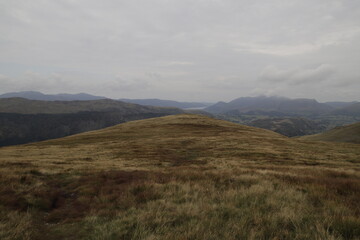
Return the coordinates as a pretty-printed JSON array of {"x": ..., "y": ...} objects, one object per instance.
[{"x": 298, "y": 106}]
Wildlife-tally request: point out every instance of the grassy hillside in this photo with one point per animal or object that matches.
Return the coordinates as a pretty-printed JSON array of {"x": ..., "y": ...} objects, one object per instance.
[
  {"x": 349, "y": 133},
  {"x": 180, "y": 177}
]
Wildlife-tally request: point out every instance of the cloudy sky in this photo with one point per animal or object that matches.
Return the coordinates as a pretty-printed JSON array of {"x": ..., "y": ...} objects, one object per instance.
[{"x": 194, "y": 50}]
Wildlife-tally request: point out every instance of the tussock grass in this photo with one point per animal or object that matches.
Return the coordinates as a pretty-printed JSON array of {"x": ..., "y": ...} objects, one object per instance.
[{"x": 180, "y": 177}]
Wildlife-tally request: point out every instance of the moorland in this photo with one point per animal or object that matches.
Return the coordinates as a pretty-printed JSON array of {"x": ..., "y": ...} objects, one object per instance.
[{"x": 180, "y": 177}]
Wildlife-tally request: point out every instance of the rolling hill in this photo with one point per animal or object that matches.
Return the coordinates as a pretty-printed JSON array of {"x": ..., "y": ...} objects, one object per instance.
[
  {"x": 180, "y": 177},
  {"x": 349, "y": 133}
]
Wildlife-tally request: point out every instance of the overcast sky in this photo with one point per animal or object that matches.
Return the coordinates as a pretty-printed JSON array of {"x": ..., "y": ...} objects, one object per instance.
[{"x": 193, "y": 50}]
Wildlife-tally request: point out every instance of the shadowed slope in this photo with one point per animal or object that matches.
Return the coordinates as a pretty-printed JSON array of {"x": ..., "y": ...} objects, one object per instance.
[{"x": 349, "y": 133}]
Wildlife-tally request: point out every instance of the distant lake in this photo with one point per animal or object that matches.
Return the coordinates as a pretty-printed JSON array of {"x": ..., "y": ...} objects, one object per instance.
[{"x": 194, "y": 108}]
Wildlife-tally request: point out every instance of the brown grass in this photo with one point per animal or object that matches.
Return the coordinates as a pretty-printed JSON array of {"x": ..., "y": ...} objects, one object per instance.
[{"x": 180, "y": 177}]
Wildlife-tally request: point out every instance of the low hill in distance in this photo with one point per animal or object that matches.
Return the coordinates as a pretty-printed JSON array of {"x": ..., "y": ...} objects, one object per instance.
[
  {"x": 279, "y": 114},
  {"x": 180, "y": 177},
  {"x": 23, "y": 120},
  {"x": 281, "y": 105},
  {"x": 33, "y": 95},
  {"x": 340, "y": 104},
  {"x": 349, "y": 133},
  {"x": 25, "y": 128},
  {"x": 167, "y": 103},
  {"x": 25, "y": 106}
]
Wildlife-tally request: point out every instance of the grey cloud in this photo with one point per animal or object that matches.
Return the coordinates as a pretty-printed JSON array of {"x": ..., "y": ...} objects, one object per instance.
[
  {"x": 121, "y": 85},
  {"x": 351, "y": 81},
  {"x": 199, "y": 50},
  {"x": 298, "y": 75}
]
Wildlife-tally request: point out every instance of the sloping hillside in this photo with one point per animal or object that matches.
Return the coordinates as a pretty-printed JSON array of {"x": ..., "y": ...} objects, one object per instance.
[
  {"x": 180, "y": 177},
  {"x": 349, "y": 133}
]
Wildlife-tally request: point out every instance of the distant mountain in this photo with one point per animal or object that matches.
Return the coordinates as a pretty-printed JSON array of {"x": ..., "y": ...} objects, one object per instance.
[
  {"x": 339, "y": 104},
  {"x": 167, "y": 103},
  {"x": 290, "y": 127},
  {"x": 349, "y": 133},
  {"x": 299, "y": 106},
  {"x": 350, "y": 110},
  {"x": 33, "y": 95}
]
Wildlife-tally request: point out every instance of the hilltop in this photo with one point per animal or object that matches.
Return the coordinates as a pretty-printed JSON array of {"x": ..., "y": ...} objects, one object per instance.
[
  {"x": 349, "y": 133},
  {"x": 180, "y": 177}
]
